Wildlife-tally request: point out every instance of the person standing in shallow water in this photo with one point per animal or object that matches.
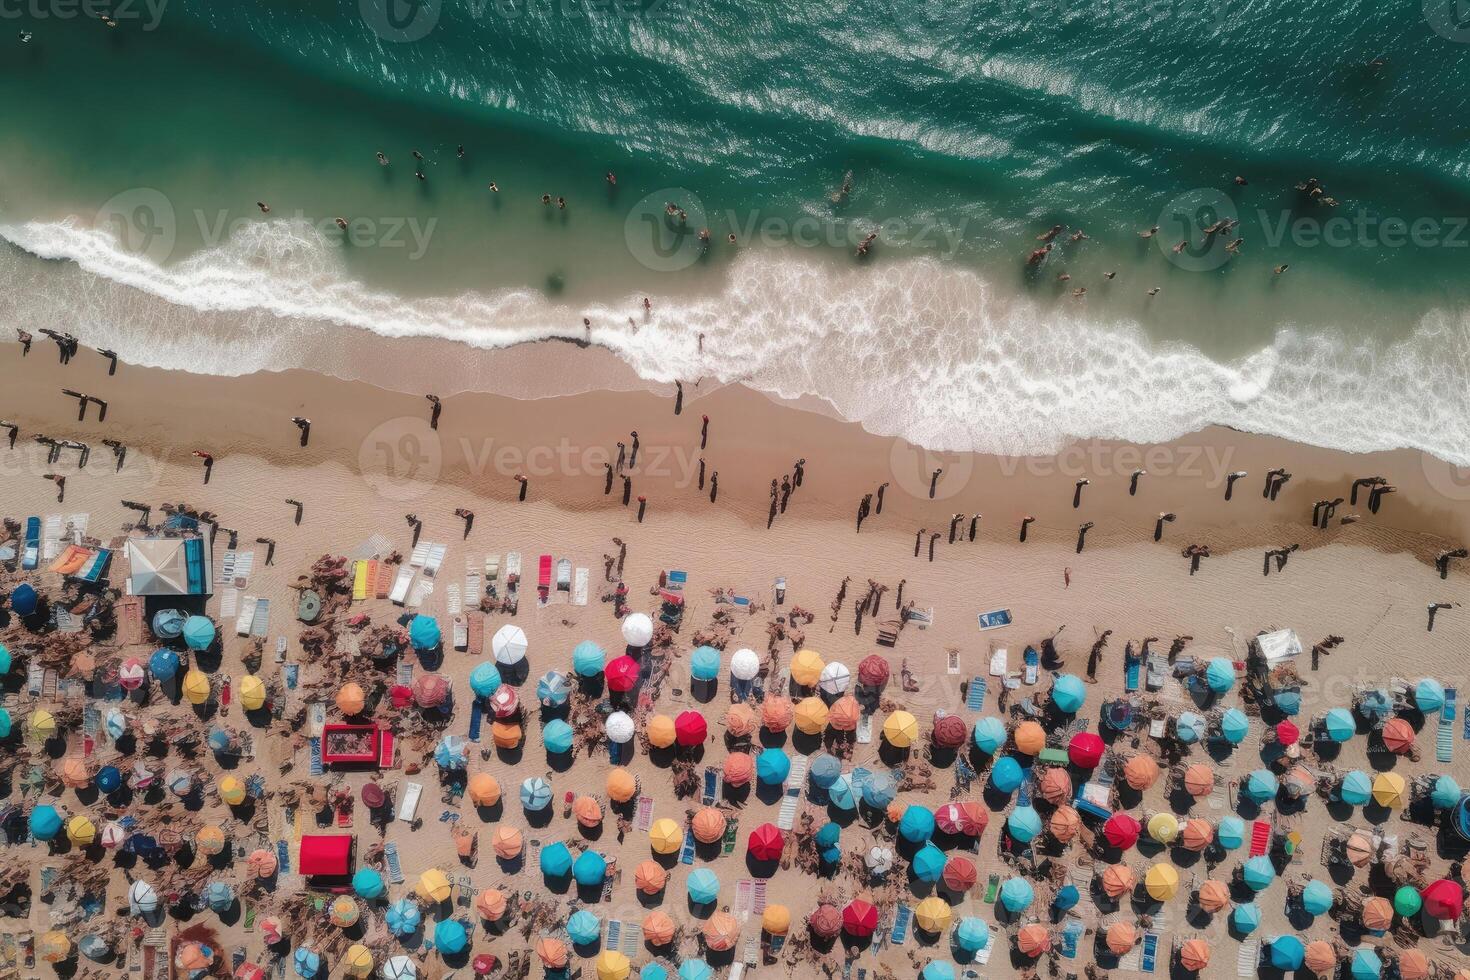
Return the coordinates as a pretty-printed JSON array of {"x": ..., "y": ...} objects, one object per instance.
[
  {"x": 714, "y": 485},
  {"x": 934, "y": 482},
  {"x": 881, "y": 487},
  {"x": 703, "y": 432},
  {"x": 607, "y": 484}
]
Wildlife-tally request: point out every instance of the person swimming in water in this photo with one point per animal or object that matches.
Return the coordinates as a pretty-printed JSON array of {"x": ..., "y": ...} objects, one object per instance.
[{"x": 382, "y": 158}]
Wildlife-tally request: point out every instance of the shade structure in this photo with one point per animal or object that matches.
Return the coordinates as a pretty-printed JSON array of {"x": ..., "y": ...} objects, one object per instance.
[
  {"x": 1068, "y": 693},
  {"x": 959, "y": 875},
  {"x": 210, "y": 839},
  {"x": 1055, "y": 786},
  {"x": 1258, "y": 873},
  {"x": 164, "y": 664},
  {"x": 1246, "y": 918},
  {"x": 263, "y": 863},
  {"x": 825, "y": 921},
  {"x": 344, "y": 912},
  {"x": 588, "y": 659},
  {"x": 1365, "y": 965},
  {"x": 558, "y": 737},
  {"x": 933, "y": 915},
  {"x": 1064, "y": 823},
  {"x": 509, "y": 645},
  {"x": 658, "y": 928},
  {"x": 1033, "y": 940},
  {"x": 1360, "y": 850},
  {"x": 1339, "y": 724},
  {"x": 1261, "y": 785},
  {"x": 745, "y": 664},
  {"x": 721, "y": 931},
  {"x": 766, "y": 842},
  {"x": 306, "y": 961},
  {"x": 1141, "y": 772},
  {"x": 431, "y": 691},
  {"x": 507, "y": 842},
  {"x": 423, "y": 633},
  {"x": 806, "y": 667},
  {"x": 403, "y": 917},
  {"x": 708, "y": 825},
  {"x": 1006, "y": 775},
  {"x": 1429, "y": 695},
  {"x": 1024, "y": 824},
  {"x": 1163, "y": 827},
  {"x": 776, "y": 920},
  {"x": 690, "y": 728},
  {"x": 1446, "y": 792},
  {"x": 739, "y": 769},
  {"x": 1220, "y": 675},
  {"x": 1197, "y": 834},
  {"x": 653, "y": 971},
  {"x": 131, "y": 674},
  {"x": 1213, "y": 895},
  {"x": 989, "y": 735},
  {"x": 584, "y": 927},
  {"x": 1120, "y": 937},
  {"x": 142, "y": 898},
  {"x": 252, "y": 693},
  {"x": 590, "y": 869},
  {"x": 1122, "y": 830},
  {"x": 1194, "y": 955},
  {"x": 650, "y": 877},
  {"x": 834, "y": 679},
  {"x": 967, "y": 818},
  {"x": 637, "y": 629},
  {"x": 1016, "y": 895},
  {"x": 917, "y": 824},
  {"x": 660, "y": 731},
  {"x": 482, "y": 789},
  {"x": 1030, "y": 738},
  {"x": 553, "y": 688},
  {"x": 1118, "y": 880},
  {"x": 450, "y": 937},
  {"x": 1390, "y": 790},
  {"x": 621, "y": 786},
  {"x": 485, "y": 679},
  {"x": 825, "y": 769},
  {"x": 928, "y": 864},
  {"x": 900, "y": 729},
  {"x": 777, "y": 713},
  {"x": 1161, "y": 882},
  {"x": 1375, "y": 706},
  {"x": 1377, "y": 914},
  {"x": 971, "y": 934},
  {"x": 695, "y": 969},
  {"x": 880, "y": 860},
  {"x": 357, "y": 961},
  {"x": 949, "y": 732},
  {"x": 452, "y": 752},
  {"x": 612, "y": 965},
  {"x": 1407, "y": 902},
  {"x": 1287, "y": 733},
  {"x": 619, "y": 727},
  {"x": 1398, "y": 736},
  {"x": 551, "y": 952},
  {"x": 811, "y": 716},
  {"x": 54, "y": 947},
  {"x": 398, "y": 968},
  {"x": 1444, "y": 899},
  {"x": 841, "y": 796},
  {"x": 1287, "y": 953},
  {"x": 859, "y": 918},
  {"x": 1199, "y": 780},
  {"x": 195, "y": 687},
  {"x": 73, "y": 772},
  {"x": 588, "y": 811},
  {"x": 555, "y": 860},
  {"x": 703, "y": 886},
  {"x": 740, "y": 720},
  {"x": 231, "y": 791},
  {"x": 1234, "y": 726},
  {"x": 491, "y": 904},
  {"x": 937, "y": 970},
  {"x": 1356, "y": 788},
  {"x": 665, "y": 837},
  {"x": 1085, "y": 750},
  {"x": 1413, "y": 965},
  {"x": 772, "y": 767},
  {"x": 1189, "y": 727},
  {"x": 433, "y": 886},
  {"x": 1316, "y": 897},
  {"x": 622, "y": 674},
  {"x": 1319, "y": 957},
  {"x": 873, "y": 671}
]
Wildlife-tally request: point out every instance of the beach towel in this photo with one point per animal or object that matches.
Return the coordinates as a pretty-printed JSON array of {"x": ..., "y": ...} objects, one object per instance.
[
  {"x": 359, "y": 581},
  {"x": 435, "y": 559},
  {"x": 383, "y": 580},
  {"x": 742, "y": 899},
  {"x": 476, "y": 715},
  {"x": 645, "y": 814},
  {"x": 1150, "y": 951},
  {"x": 900, "y": 932},
  {"x": 579, "y": 588},
  {"x": 395, "y": 867},
  {"x": 260, "y": 623},
  {"x": 975, "y": 696},
  {"x": 786, "y": 819},
  {"x": 473, "y": 585},
  {"x": 1247, "y": 957},
  {"x": 246, "y": 618},
  {"x": 686, "y": 854},
  {"x": 1444, "y": 740},
  {"x": 317, "y": 768},
  {"x": 398, "y": 595}
]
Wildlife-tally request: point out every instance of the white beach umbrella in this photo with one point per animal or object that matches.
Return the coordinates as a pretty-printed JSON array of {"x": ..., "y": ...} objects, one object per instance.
[
  {"x": 637, "y": 630},
  {"x": 509, "y": 644},
  {"x": 620, "y": 727},
  {"x": 399, "y": 968},
  {"x": 142, "y": 898},
  {"x": 113, "y": 834},
  {"x": 880, "y": 860},
  {"x": 834, "y": 679},
  {"x": 745, "y": 664}
]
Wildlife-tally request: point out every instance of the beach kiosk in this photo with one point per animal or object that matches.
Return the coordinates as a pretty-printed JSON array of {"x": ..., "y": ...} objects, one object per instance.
[
  {"x": 326, "y": 860},
  {"x": 350, "y": 746}
]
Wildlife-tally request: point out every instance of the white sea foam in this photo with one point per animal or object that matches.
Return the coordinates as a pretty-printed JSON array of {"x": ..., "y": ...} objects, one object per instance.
[{"x": 914, "y": 348}]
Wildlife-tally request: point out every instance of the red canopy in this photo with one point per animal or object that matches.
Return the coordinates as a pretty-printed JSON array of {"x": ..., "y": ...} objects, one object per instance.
[
  {"x": 1398, "y": 735},
  {"x": 505, "y": 702},
  {"x": 766, "y": 842},
  {"x": 825, "y": 920},
  {"x": 621, "y": 673},
  {"x": 1122, "y": 830},
  {"x": 249, "y": 971},
  {"x": 326, "y": 854},
  {"x": 959, "y": 874},
  {"x": 1085, "y": 750},
  {"x": 430, "y": 690},
  {"x": 690, "y": 728},
  {"x": 950, "y": 732},
  {"x": 484, "y": 965},
  {"x": 873, "y": 671},
  {"x": 859, "y": 918},
  {"x": 967, "y": 818},
  {"x": 1444, "y": 899},
  {"x": 401, "y": 695},
  {"x": 1287, "y": 733}
]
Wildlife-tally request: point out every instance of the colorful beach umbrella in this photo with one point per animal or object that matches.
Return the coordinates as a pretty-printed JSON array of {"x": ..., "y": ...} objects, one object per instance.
[
  {"x": 588, "y": 659},
  {"x": 485, "y": 679},
  {"x": 989, "y": 735},
  {"x": 1246, "y": 918},
  {"x": 555, "y": 860},
  {"x": 1068, "y": 693},
  {"x": 1429, "y": 695},
  {"x": 1006, "y": 775},
  {"x": 584, "y": 927},
  {"x": 1287, "y": 953},
  {"x": 423, "y": 633},
  {"x": 1261, "y": 785},
  {"x": 1234, "y": 726},
  {"x": 1339, "y": 724},
  {"x": 1024, "y": 824},
  {"x": 1016, "y": 895},
  {"x": 971, "y": 934},
  {"x": 703, "y": 886},
  {"x": 1390, "y": 790},
  {"x": 772, "y": 767},
  {"x": 1258, "y": 873},
  {"x": 1220, "y": 674},
  {"x": 553, "y": 688},
  {"x": 1316, "y": 897},
  {"x": 450, "y": 937},
  {"x": 1085, "y": 750},
  {"x": 403, "y": 917},
  {"x": 928, "y": 864}
]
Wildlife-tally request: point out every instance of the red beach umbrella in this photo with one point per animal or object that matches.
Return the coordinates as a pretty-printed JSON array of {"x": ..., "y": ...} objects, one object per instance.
[
  {"x": 1122, "y": 830},
  {"x": 430, "y": 690},
  {"x": 966, "y": 818},
  {"x": 873, "y": 671},
  {"x": 400, "y": 695},
  {"x": 484, "y": 964},
  {"x": 859, "y": 918},
  {"x": 960, "y": 874},
  {"x": 621, "y": 673},
  {"x": 1085, "y": 750},
  {"x": 1398, "y": 735},
  {"x": 766, "y": 842},
  {"x": 1287, "y": 733},
  {"x": 505, "y": 702},
  {"x": 825, "y": 921},
  {"x": 1444, "y": 899},
  {"x": 950, "y": 732},
  {"x": 690, "y": 728}
]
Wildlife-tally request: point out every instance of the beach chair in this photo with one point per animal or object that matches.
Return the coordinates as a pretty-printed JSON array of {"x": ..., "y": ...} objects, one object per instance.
[
  {"x": 408, "y": 807},
  {"x": 579, "y": 588},
  {"x": 283, "y": 857},
  {"x": 434, "y": 559},
  {"x": 711, "y": 786},
  {"x": 317, "y": 768},
  {"x": 398, "y": 595},
  {"x": 395, "y": 867},
  {"x": 1130, "y": 673},
  {"x": 614, "y": 933},
  {"x": 975, "y": 696},
  {"x": 543, "y": 579},
  {"x": 260, "y": 622},
  {"x": 1260, "y": 838},
  {"x": 1157, "y": 671},
  {"x": 1150, "y": 951},
  {"x": 786, "y": 817},
  {"x": 564, "y": 575},
  {"x": 246, "y": 618},
  {"x": 477, "y": 715},
  {"x": 1247, "y": 958},
  {"x": 31, "y": 556},
  {"x": 900, "y": 933},
  {"x": 796, "y": 777},
  {"x": 1444, "y": 739},
  {"x": 686, "y": 853}
]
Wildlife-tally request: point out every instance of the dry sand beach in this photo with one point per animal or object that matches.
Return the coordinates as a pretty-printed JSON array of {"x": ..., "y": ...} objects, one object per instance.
[{"x": 372, "y": 459}]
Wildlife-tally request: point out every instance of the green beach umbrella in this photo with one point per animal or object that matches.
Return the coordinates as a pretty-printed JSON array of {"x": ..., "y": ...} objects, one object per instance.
[{"x": 1407, "y": 902}]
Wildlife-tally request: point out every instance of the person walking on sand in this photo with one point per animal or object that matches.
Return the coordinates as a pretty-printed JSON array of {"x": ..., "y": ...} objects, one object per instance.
[
  {"x": 25, "y": 341},
  {"x": 1082, "y": 536},
  {"x": 881, "y": 487},
  {"x": 466, "y": 515},
  {"x": 1025, "y": 523},
  {"x": 862, "y": 511},
  {"x": 622, "y": 457},
  {"x": 1442, "y": 561},
  {"x": 771, "y": 517},
  {"x": 642, "y": 506},
  {"x": 1133, "y": 482},
  {"x": 13, "y": 429},
  {"x": 304, "y": 424},
  {"x": 785, "y": 492},
  {"x": 1165, "y": 517},
  {"x": 1230, "y": 482},
  {"x": 60, "y": 482},
  {"x": 678, "y": 397},
  {"x": 1067, "y": 577},
  {"x": 714, "y": 485},
  {"x": 974, "y": 525},
  {"x": 1077, "y": 493},
  {"x": 416, "y": 524},
  {"x": 934, "y": 481},
  {"x": 208, "y": 461},
  {"x": 633, "y": 456},
  {"x": 1434, "y": 607},
  {"x": 800, "y": 471},
  {"x": 607, "y": 483},
  {"x": 701, "y": 472},
  {"x": 919, "y": 540},
  {"x": 933, "y": 538},
  {"x": 525, "y": 483},
  {"x": 703, "y": 432},
  {"x": 954, "y": 523},
  {"x": 627, "y": 489},
  {"x": 435, "y": 407}
]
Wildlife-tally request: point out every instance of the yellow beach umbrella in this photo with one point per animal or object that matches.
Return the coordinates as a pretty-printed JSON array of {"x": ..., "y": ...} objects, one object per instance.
[
  {"x": 665, "y": 836},
  {"x": 1162, "y": 882},
  {"x": 612, "y": 965},
  {"x": 55, "y": 947},
  {"x": 344, "y": 912},
  {"x": 196, "y": 687},
  {"x": 210, "y": 839},
  {"x": 1163, "y": 827},
  {"x": 806, "y": 668},
  {"x": 42, "y": 723},
  {"x": 232, "y": 791},
  {"x": 1388, "y": 790},
  {"x": 81, "y": 831},
  {"x": 933, "y": 915},
  {"x": 661, "y": 732},
  {"x": 252, "y": 693},
  {"x": 433, "y": 886},
  {"x": 776, "y": 920},
  {"x": 811, "y": 716},
  {"x": 900, "y": 729},
  {"x": 359, "y": 961}
]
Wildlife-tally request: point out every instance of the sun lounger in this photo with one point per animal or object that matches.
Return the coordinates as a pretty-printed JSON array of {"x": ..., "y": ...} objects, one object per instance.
[
  {"x": 1156, "y": 671},
  {"x": 246, "y": 618},
  {"x": 315, "y": 745},
  {"x": 1032, "y": 661},
  {"x": 395, "y": 867},
  {"x": 260, "y": 623},
  {"x": 579, "y": 588},
  {"x": 421, "y": 590},
  {"x": 1150, "y": 951},
  {"x": 408, "y": 808},
  {"x": 473, "y": 586},
  {"x": 786, "y": 818},
  {"x": 645, "y": 814},
  {"x": 686, "y": 853},
  {"x": 1260, "y": 837},
  {"x": 461, "y": 632},
  {"x": 614, "y": 933},
  {"x": 742, "y": 899},
  {"x": 711, "y": 786},
  {"x": 901, "y": 919},
  {"x": 994, "y": 619},
  {"x": 420, "y": 554},
  {"x": 31, "y": 557},
  {"x": 435, "y": 559},
  {"x": 360, "y": 573},
  {"x": 1247, "y": 958},
  {"x": 283, "y": 857},
  {"x": 1444, "y": 740},
  {"x": 1130, "y": 673},
  {"x": 475, "y": 645},
  {"x": 975, "y": 696},
  {"x": 543, "y": 579},
  {"x": 797, "y": 776},
  {"x": 398, "y": 595},
  {"x": 563, "y": 575}
]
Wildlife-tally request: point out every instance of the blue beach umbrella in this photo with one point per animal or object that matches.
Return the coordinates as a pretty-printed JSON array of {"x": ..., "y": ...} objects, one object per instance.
[
  {"x": 839, "y": 794},
  {"x": 772, "y": 767},
  {"x": 879, "y": 790},
  {"x": 916, "y": 824},
  {"x": 307, "y": 962},
  {"x": 5, "y": 660},
  {"x": 1340, "y": 725},
  {"x": 1220, "y": 675},
  {"x": 24, "y": 599},
  {"x": 584, "y": 928},
  {"x": 557, "y": 736},
  {"x": 1375, "y": 706},
  {"x": 451, "y": 752},
  {"x": 1006, "y": 776},
  {"x": 989, "y": 735},
  {"x": 695, "y": 969},
  {"x": 1016, "y": 895},
  {"x": 1366, "y": 965},
  {"x": 1288, "y": 702},
  {"x": 825, "y": 770},
  {"x": 1024, "y": 824},
  {"x": 703, "y": 886},
  {"x": 653, "y": 971},
  {"x": 168, "y": 624},
  {"x": 1316, "y": 898},
  {"x": 485, "y": 679},
  {"x": 1356, "y": 788},
  {"x": 971, "y": 934},
  {"x": 423, "y": 633},
  {"x": 553, "y": 688},
  {"x": 937, "y": 970},
  {"x": 1234, "y": 725},
  {"x": 1189, "y": 727},
  {"x": 1429, "y": 695},
  {"x": 220, "y": 739},
  {"x": 588, "y": 659},
  {"x": 830, "y": 835},
  {"x": 198, "y": 632},
  {"x": 5, "y": 723},
  {"x": 535, "y": 794},
  {"x": 1287, "y": 953},
  {"x": 928, "y": 864},
  {"x": 590, "y": 869},
  {"x": 1069, "y": 693},
  {"x": 164, "y": 664},
  {"x": 1258, "y": 873},
  {"x": 1067, "y": 897},
  {"x": 1246, "y": 918},
  {"x": 367, "y": 883},
  {"x": 450, "y": 937},
  {"x": 45, "y": 822},
  {"x": 556, "y": 860},
  {"x": 219, "y": 896},
  {"x": 109, "y": 779},
  {"x": 704, "y": 663},
  {"x": 1446, "y": 792},
  {"x": 1261, "y": 786},
  {"x": 1230, "y": 833},
  {"x": 403, "y": 917}
]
